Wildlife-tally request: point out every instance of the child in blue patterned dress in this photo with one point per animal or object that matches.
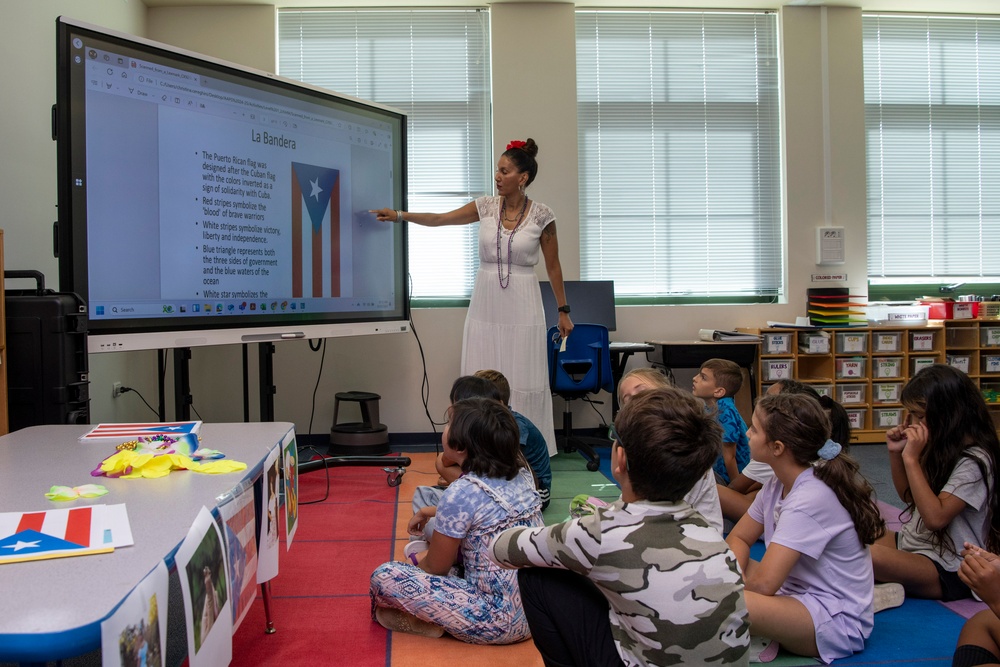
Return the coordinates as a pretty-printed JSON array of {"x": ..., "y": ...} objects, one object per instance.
[{"x": 495, "y": 492}]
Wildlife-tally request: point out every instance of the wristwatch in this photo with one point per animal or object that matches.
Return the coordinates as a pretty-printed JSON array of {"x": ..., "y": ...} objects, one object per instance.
[{"x": 563, "y": 309}]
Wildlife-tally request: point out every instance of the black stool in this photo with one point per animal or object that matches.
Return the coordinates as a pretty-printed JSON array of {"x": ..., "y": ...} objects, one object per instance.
[{"x": 367, "y": 437}]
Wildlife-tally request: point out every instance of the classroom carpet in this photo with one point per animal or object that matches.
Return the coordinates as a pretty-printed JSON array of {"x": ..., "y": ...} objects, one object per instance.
[{"x": 321, "y": 610}]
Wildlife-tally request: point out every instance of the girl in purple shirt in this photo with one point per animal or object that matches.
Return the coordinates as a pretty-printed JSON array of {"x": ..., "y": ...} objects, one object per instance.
[{"x": 813, "y": 590}]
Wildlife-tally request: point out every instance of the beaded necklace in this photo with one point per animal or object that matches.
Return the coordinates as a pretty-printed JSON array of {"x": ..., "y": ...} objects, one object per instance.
[{"x": 510, "y": 239}]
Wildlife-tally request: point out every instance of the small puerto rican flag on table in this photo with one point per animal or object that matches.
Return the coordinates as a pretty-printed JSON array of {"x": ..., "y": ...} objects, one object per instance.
[
  {"x": 133, "y": 431},
  {"x": 53, "y": 534}
]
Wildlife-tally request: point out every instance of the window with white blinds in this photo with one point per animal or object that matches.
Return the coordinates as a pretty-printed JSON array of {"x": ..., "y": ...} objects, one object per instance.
[
  {"x": 932, "y": 117},
  {"x": 434, "y": 65},
  {"x": 680, "y": 191}
]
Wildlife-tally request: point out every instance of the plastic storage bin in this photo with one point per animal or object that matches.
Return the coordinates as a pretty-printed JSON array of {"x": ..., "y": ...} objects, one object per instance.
[
  {"x": 887, "y": 417},
  {"x": 886, "y": 392},
  {"x": 856, "y": 417},
  {"x": 888, "y": 367},
  {"x": 852, "y": 343},
  {"x": 851, "y": 394},
  {"x": 990, "y": 336},
  {"x": 824, "y": 389},
  {"x": 991, "y": 363},
  {"x": 918, "y": 363},
  {"x": 887, "y": 342},
  {"x": 959, "y": 361},
  {"x": 921, "y": 341},
  {"x": 778, "y": 369},
  {"x": 778, "y": 343},
  {"x": 851, "y": 368},
  {"x": 814, "y": 343}
]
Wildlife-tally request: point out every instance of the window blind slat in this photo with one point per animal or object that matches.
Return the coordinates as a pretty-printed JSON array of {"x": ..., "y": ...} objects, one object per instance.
[
  {"x": 932, "y": 117},
  {"x": 434, "y": 65},
  {"x": 679, "y": 152}
]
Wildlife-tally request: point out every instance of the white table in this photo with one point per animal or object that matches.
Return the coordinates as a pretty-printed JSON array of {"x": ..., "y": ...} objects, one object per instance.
[{"x": 52, "y": 609}]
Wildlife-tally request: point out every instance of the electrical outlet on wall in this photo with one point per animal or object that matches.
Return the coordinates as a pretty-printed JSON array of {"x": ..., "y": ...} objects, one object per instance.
[{"x": 116, "y": 390}]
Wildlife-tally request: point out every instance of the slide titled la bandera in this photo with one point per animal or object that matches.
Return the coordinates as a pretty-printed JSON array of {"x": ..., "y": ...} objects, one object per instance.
[{"x": 260, "y": 212}]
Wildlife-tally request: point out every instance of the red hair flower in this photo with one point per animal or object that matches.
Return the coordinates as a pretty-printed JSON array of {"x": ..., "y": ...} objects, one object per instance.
[{"x": 516, "y": 144}]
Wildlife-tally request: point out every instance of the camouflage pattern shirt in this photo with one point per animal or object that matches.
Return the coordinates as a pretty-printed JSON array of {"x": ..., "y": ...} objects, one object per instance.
[{"x": 675, "y": 592}]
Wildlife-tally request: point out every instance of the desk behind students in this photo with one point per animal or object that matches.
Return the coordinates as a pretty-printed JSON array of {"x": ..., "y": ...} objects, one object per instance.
[{"x": 691, "y": 354}]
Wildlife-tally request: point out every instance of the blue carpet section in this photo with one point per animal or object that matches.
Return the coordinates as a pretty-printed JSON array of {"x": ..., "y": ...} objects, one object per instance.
[{"x": 921, "y": 631}]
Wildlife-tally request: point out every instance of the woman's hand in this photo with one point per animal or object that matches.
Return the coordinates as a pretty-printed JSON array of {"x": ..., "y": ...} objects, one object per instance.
[
  {"x": 385, "y": 214},
  {"x": 565, "y": 324}
]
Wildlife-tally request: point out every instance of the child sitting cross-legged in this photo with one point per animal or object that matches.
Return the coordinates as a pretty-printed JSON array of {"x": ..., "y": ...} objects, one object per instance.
[
  {"x": 646, "y": 580},
  {"x": 480, "y": 605},
  {"x": 813, "y": 591},
  {"x": 716, "y": 383}
]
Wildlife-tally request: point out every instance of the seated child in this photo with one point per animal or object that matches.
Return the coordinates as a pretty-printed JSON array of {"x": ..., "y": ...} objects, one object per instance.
[
  {"x": 494, "y": 493},
  {"x": 644, "y": 581},
  {"x": 448, "y": 471},
  {"x": 533, "y": 446},
  {"x": 813, "y": 591},
  {"x": 716, "y": 383},
  {"x": 703, "y": 496},
  {"x": 944, "y": 465},
  {"x": 735, "y": 498},
  {"x": 979, "y": 640}
]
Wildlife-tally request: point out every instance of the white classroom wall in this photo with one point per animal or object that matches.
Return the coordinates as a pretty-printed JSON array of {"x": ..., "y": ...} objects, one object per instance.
[{"x": 534, "y": 94}]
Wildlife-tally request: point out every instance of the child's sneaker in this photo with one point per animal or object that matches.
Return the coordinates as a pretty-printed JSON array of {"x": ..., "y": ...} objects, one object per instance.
[
  {"x": 414, "y": 547},
  {"x": 398, "y": 620},
  {"x": 584, "y": 505},
  {"x": 762, "y": 649},
  {"x": 888, "y": 596}
]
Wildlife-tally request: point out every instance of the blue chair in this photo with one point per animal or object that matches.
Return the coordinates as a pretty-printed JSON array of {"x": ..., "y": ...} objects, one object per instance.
[{"x": 583, "y": 368}]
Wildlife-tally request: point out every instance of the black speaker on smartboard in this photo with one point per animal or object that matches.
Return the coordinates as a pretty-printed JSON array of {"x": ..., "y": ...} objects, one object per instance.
[{"x": 47, "y": 377}]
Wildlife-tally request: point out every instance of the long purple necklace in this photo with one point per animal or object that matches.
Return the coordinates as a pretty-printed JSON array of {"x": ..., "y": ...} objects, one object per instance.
[{"x": 510, "y": 239}]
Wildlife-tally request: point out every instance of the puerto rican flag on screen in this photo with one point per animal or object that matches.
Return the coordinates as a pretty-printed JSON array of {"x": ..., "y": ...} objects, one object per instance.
[
  {"x": 315, "y": 231},
  {"x": 132, "y": 431},
  {"x": 53, "y": 534}
]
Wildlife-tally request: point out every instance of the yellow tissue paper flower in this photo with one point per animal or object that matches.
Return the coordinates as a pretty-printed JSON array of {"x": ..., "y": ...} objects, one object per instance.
[{"x": 132, "y": 465}]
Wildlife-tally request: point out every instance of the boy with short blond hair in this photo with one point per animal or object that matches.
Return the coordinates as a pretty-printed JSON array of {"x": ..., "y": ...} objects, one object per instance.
[{"x": 717, "y": 381}]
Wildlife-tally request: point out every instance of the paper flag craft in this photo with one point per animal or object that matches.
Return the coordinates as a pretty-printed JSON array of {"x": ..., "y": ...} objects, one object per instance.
[
  {"x": 131, "y": 431},
  {"x": 55, "y": 533}
]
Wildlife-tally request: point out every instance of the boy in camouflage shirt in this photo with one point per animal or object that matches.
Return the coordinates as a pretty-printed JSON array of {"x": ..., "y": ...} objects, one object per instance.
[{"x": 644, "y": 581}]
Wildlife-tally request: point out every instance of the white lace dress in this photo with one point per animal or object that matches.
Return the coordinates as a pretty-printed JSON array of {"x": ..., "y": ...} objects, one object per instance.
[{"x": 505, "y": 328}]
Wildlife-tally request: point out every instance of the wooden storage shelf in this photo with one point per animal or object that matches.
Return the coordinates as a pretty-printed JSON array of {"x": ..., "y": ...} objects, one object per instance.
[
  {"x": 975, "y": 344},
  {"x": 863, "y": 368}
]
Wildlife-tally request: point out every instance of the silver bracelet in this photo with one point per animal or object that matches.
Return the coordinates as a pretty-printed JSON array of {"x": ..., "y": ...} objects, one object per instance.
[{"x": 399, "y": 216}]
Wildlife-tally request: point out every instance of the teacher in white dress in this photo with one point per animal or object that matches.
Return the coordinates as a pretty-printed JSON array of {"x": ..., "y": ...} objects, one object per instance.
[{"x": 505, "y": 327}]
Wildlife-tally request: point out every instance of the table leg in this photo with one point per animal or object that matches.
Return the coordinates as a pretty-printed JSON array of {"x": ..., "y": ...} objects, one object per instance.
[{"x": 265, "y": 592}]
